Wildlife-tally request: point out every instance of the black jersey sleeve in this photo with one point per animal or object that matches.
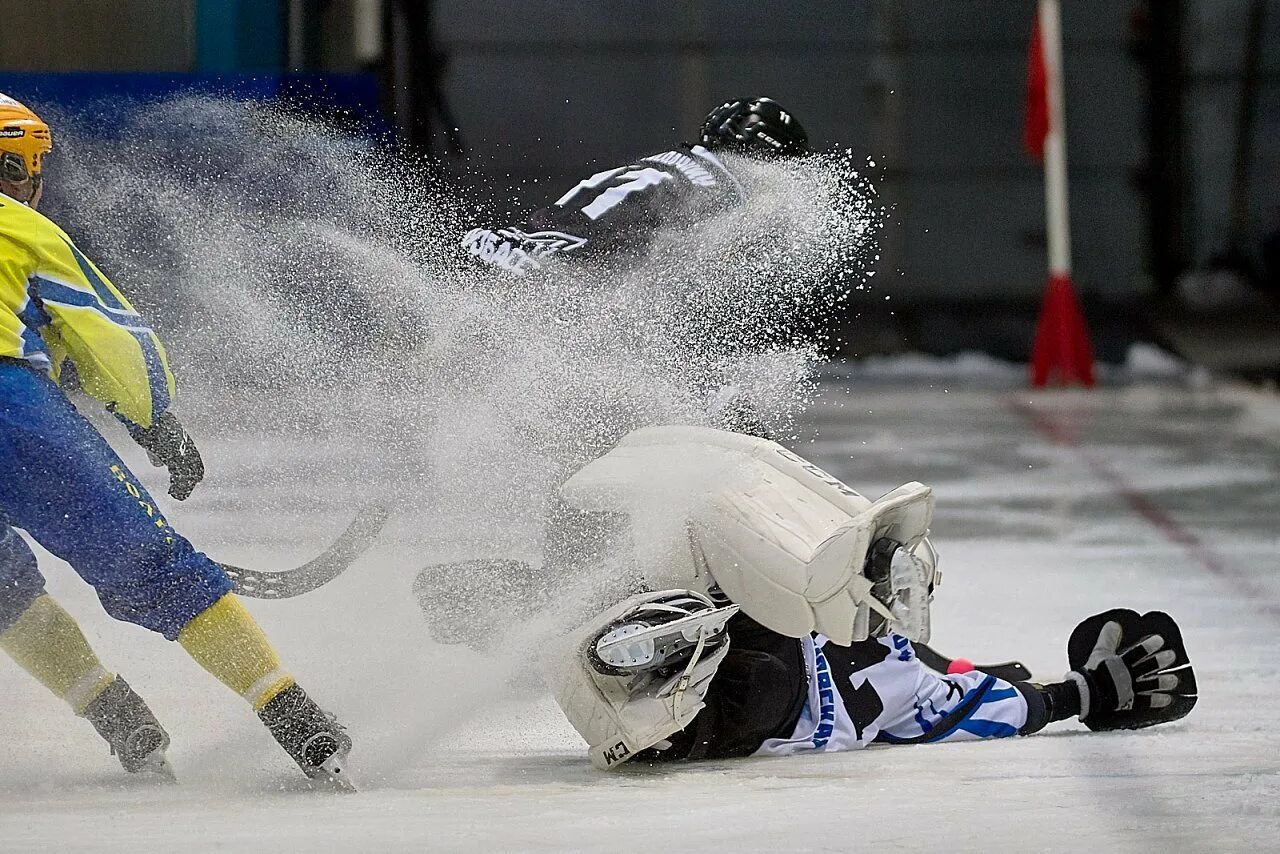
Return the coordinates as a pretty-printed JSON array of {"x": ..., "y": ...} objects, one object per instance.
[{"x": 614, "y": 215}]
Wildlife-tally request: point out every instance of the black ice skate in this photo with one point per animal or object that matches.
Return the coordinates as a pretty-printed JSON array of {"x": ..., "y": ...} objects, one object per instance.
[
  {"x": 315, "y": 740},
  {"x": 123, "y": 719}
]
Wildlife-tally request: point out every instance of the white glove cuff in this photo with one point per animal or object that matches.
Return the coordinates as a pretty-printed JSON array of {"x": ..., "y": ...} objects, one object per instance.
[{"x": 1083, "y": 686}]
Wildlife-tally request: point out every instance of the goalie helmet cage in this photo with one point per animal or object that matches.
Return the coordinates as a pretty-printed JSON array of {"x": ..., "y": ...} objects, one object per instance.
[{"x": 1061, "y": 352}]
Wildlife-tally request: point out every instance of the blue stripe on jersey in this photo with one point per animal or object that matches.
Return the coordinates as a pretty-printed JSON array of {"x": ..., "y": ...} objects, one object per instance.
[
  {"x": 155, "y": 372},
  {"x": 56, "y": 292},
  {"x": 105, "y": 294},
  {"x": 33, "y": 319},
  {"x": 986, "y": 729}
]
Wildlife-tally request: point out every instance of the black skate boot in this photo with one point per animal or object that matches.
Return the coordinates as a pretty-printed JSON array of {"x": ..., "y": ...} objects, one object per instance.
[
  {"x": 123, "y": 719},
  {"x": 315, "y": 740}
]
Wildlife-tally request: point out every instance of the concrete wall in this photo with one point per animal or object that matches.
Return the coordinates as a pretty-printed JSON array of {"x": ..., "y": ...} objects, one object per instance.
[
  {"x": 561, "y": 86},
  {"x": 96, "y": 35},
  {"x": 1215, "y": 56}
]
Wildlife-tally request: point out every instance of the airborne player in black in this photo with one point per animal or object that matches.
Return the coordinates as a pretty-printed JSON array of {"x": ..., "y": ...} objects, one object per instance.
[{"x": 614, "y": 216}]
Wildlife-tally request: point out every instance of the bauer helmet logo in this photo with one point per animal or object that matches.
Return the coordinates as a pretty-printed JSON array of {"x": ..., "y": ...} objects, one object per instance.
[{"x": 9, "y": 133}]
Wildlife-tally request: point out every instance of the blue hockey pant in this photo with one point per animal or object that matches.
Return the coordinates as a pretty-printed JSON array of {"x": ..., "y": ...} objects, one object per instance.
[{"x": 63, "y": 484}]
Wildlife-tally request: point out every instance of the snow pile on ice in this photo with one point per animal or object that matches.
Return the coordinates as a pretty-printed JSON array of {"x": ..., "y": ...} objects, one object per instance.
[{"x": 1147, "y": 361}]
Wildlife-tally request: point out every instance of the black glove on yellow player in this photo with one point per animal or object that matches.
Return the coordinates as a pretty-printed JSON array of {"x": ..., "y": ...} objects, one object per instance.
[
  {"x": 169, "y": 446},
  {"x": 1132, "y": 671}
]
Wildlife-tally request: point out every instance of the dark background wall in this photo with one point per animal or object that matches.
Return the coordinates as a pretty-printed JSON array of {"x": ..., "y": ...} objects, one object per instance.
[
  {"x": 96, "y": 35},
  {"x": 930, "y": 90},
  {"x": 1215, "y": 37}
]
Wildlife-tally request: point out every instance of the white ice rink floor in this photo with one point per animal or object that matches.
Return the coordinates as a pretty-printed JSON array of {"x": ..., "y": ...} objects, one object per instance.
[{"x": 1051, "y": 507}]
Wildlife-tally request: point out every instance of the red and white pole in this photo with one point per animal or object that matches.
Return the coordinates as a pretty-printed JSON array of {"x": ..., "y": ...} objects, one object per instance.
[
  {"x": 1061, "y": 351},
  {"x": 1057, "y": 215}
]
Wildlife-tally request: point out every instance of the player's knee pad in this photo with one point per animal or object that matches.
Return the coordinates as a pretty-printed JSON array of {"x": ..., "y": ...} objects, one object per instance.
[{"x": 639, "y": 672}]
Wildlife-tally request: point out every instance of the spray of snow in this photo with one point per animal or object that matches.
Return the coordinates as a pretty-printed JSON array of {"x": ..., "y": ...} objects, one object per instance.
[{"x": 309, "y": 283}]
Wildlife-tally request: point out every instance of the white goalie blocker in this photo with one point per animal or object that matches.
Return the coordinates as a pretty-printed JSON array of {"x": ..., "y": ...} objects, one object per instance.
[{"x": 773, "y": 532}]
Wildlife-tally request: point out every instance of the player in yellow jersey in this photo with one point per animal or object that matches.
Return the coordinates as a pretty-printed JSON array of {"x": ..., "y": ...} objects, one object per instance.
[{"x": 61, "y": 482}]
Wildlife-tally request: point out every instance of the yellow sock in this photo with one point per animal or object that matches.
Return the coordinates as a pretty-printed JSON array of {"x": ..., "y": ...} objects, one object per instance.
[
  {"x": 47, "y": 643},
  {"x": 225, "y": 640}
]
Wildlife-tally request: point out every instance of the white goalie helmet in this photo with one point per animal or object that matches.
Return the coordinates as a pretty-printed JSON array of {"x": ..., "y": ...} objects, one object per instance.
[
  {"x": 660, "y": 634},
  {"x": 640, "y": 671}
]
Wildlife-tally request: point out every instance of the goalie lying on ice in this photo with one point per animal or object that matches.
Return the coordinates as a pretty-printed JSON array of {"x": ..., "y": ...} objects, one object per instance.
[{"x": 791, "y": 624}]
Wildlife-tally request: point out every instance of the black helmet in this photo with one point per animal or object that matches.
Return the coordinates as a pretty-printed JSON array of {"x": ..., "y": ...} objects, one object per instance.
[{"x": 756, "y": 125}]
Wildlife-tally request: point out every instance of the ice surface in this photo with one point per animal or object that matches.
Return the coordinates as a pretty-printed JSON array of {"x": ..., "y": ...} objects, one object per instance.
[
  {"x": 332, "y": 349},
  {"x": 1037, "y": 527}
]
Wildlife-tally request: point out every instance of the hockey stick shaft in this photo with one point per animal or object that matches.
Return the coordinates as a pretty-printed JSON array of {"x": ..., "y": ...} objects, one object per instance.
[
  {"x": 1009, "y": 671},
  {"x": 335, "y": 560}
]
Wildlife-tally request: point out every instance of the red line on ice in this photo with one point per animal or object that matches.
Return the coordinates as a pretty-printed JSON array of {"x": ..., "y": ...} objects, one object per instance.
[{"x": 1060, "y": 433}]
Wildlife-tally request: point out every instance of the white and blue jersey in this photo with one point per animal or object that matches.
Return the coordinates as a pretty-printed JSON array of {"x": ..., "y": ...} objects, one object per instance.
[
  {"x": 777, "y": 696},
  {"x": 878, "y": 691}
]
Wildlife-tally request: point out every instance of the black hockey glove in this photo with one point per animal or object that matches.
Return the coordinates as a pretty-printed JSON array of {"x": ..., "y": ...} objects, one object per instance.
[
  {"x": 169, "y": 446},
  {"x": 1132, "y": 671}
]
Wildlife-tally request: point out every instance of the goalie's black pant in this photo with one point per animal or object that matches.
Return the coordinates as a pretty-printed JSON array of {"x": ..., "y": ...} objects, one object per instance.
[{"x": 778, "y": 695}]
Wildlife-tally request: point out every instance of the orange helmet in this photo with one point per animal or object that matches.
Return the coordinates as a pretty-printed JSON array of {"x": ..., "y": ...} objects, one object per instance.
[{"x": 24, "y": 141}]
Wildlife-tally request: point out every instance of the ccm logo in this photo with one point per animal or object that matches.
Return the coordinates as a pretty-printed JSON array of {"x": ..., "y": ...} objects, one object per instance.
[{"x": 617, "y": 753}]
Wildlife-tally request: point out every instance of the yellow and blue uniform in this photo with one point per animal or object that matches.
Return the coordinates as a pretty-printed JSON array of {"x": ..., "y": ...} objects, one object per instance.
[
  {"x": 56, "y": 305},
  {"x": 62, "y": 483},
  {"x": 59, "y": 479}
]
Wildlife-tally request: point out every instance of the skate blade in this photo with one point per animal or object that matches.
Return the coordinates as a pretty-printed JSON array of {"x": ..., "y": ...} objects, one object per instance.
[
  {"x": 334, "y": 774},
  {"x": 638, "y": 647},
  {"x": 157, "y": 765}
]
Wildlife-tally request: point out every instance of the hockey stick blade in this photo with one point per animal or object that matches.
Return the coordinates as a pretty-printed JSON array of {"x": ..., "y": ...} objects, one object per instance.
[
  {"x": 287, "y": 583},
  {"x": 1009, "y": 671}
]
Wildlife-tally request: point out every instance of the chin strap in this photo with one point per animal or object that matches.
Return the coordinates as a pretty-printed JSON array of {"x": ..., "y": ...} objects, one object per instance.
[
  {"x": 23, "y": 198},
  {"x": 683, "y": 683}
]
